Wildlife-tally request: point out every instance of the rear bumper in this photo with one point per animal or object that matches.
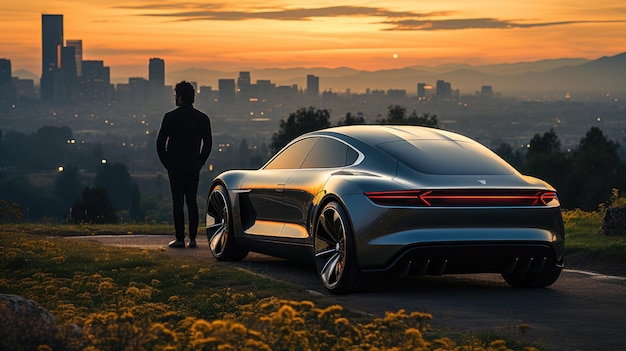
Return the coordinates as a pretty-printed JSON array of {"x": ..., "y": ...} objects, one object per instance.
[
  {"x": 485, "y": 239},
  {"x": 461, "y": 258}
]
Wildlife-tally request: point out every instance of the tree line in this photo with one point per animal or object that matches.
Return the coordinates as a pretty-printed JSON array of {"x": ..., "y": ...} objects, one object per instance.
[{"x": 584, "y": 177}]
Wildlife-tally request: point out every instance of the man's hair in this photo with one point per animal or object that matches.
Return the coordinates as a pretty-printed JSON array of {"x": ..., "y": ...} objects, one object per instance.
[{"x": 186, "y": 91}]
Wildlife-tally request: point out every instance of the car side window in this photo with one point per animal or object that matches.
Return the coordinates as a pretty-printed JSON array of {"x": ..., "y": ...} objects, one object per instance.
[
  {"x": 293, "y": 156},
  {"x": 351, "y": 156},
  {"x": 329, "y": 153}
]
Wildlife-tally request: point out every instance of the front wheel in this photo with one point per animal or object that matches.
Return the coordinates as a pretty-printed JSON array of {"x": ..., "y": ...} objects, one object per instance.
[
  {"x": 335, "y": 253},
  {"x": 220, "y": 234}
]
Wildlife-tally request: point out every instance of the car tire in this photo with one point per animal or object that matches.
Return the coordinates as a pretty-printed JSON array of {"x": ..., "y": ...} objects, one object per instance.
[
  {"x": 220, "y": 235},
  {"x": 546, "y": 277},
  {"x": 334, "y": 251}
]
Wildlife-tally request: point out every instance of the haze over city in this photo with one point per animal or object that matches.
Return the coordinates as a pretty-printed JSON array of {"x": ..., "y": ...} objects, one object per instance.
[
  {"x": 578, "y": 88},
  {"x": 285, "y": 34}
]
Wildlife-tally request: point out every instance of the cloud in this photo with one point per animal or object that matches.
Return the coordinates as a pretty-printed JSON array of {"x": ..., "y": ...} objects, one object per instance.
[
  {"x": 397, "y": 20},
  {"x": 475, "y": 23},
  {"x": 217, "y": 13}
]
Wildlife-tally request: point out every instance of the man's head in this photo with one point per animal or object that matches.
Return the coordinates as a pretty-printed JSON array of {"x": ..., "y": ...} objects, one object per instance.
[{"x": 185, "y": 93}]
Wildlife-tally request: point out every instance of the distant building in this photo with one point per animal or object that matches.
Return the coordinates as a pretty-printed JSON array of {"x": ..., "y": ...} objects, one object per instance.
[
  {"x": 486, "y": 90},
  {"x": 423, "y": 91},
  {"x": 226, "y": 89},
  {"x": 51, "y": 44},
  {"x": 139, "y": 89},
  {"x": 6, "y": 84},
  {"x": 444, "y": 89},
  {"x": 24, "y": 88},
  {"x": 68, "y": 85},
  {"x": 396, "y": 93},
  {"x": 156, "y": 78},
  {"x": 156, "y": 72},
  {"x": 313, "y": 85},
  {"x": 77, "y": 44},
  {"x": 243, "y": 85},
  {"x": 265, "y": 89},
  {"x": 206, "y": 96},
  {"x": 96, "y": 82}
]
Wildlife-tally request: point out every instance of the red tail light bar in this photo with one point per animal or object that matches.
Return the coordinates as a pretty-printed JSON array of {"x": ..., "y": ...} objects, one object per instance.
[{"x": 460, "y": 198}]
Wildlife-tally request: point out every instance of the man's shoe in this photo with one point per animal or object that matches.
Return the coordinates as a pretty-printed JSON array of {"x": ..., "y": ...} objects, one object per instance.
[
  {"x": 180, "y": 244},
  {"x": 192, "y": 243}
]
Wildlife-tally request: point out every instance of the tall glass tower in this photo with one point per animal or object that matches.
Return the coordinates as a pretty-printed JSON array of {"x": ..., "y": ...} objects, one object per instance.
[
  {"x": 6, "y": 85},
  {"x": 156, "y": 72},
  {"x": 77, "y": 44},
  {"x": 156, "y": 80},
  {"x": 51, "y": 45}
]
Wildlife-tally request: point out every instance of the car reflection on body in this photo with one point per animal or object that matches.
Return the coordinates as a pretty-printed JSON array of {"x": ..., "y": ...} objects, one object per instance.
[{"x": 359, "y": 200}]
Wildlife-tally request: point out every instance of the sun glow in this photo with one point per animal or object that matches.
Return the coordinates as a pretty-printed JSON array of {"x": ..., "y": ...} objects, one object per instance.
[{"x": 223, "y": 36}]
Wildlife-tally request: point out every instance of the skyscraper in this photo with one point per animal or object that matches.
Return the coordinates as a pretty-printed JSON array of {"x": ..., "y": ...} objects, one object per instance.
[
  {"x": 51, "y": 41},
  {"x": 226, "y": 91},
  {"x": 156, "y": 72},
  {"x": 313, "y": 85},
  {"x": 156, "y": 80},
  {"x": 96, "y": 80},
  {"x": 6, "y": 86},
  {"x": 69, "y": 74},
  {"x": 51, "y": 44},
  {"x": 77, "y": 44},
  {"x": 444, "y": 89}
]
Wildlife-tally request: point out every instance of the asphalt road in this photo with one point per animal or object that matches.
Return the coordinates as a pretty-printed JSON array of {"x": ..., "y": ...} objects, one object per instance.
[{"x": 582, "y": 311}]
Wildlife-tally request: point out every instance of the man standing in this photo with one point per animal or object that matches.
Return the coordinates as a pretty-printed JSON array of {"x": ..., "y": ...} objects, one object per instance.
[{"x": 183, "y": 145}]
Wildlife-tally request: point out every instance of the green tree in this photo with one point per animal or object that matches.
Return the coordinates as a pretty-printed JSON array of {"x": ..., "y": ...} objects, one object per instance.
[
  {"x": 397, "y": 114},
  {"x": 244, "y": 154},
  {"x": 135, "y": 211},
  {"x": 50, "y": 147},
  {"x": 16, "y": 150},
  {"x": 10, "y": 212},
  {"x": 349, "y": 119},
  {"x": 299, "y": 122},
  {"x": 597, "y": 170},
  {"x": 35, "y": 202},
  {"x": 546, "y": 161},
  {"x": 93, "y": 206},
  {"x": 3, "y": 151},
  {"x": 116, "y": 181},
  {"x": 67, "y": 186},
  {"x": 514, "y": 157}
]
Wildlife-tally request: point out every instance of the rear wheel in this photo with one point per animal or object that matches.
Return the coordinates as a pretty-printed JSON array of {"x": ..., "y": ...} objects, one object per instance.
[
  {"x": 546, "y": 277},
  {"x": 220, "y": 234},
  {"x": 334, "y": 250}
]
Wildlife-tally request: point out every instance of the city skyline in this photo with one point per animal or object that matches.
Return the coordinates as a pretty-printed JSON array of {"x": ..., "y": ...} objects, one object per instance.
[{"x": 279, "y": 34}]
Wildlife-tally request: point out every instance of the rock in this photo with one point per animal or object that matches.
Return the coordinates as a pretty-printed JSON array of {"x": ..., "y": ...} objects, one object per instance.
[
  {"x": 614, "y": 222},
  {"x": 24, "y": 325}
]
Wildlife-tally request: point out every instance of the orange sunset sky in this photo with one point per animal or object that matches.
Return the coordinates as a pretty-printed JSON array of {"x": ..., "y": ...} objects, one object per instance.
[{"x": 251, "y": 34}]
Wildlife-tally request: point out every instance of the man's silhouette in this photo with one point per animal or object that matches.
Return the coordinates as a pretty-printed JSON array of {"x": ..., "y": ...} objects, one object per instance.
[{"x": 184, "y": 144}]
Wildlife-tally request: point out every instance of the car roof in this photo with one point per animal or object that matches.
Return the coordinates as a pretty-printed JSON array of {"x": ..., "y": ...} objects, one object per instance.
[{"x": 376, "y": 134}]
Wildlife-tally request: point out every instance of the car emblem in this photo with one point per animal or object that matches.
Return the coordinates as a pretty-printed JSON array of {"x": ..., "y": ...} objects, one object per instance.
[{"x": 482, "y": 181}]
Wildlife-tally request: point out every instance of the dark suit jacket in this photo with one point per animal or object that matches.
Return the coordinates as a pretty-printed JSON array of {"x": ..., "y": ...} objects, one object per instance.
[{"x": 184, "y": 142}]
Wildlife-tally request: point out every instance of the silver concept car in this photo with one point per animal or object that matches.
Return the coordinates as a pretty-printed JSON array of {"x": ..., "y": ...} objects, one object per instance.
[{"x": 360, "y": 200}]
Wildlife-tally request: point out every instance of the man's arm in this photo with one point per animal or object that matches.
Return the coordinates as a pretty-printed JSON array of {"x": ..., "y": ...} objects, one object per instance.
[
  {"x": 207, "y": 143},
  {"x": 161, "y": 143}
]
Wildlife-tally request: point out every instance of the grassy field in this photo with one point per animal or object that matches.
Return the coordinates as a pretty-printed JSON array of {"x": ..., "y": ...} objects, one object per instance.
[
  {"x": 586, "y": 247},
  {"x": 108, "y": 298}
]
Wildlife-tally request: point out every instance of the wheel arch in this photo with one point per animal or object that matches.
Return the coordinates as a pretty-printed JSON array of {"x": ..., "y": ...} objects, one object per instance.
[{"x": 317, "y": 209}]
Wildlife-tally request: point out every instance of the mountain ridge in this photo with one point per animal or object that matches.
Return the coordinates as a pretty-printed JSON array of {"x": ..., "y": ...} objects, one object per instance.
[{"x": 553, "y": 76}]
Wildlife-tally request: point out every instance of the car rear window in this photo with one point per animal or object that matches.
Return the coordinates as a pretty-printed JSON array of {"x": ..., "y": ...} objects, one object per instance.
[{"x": 447, "y": 157}]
